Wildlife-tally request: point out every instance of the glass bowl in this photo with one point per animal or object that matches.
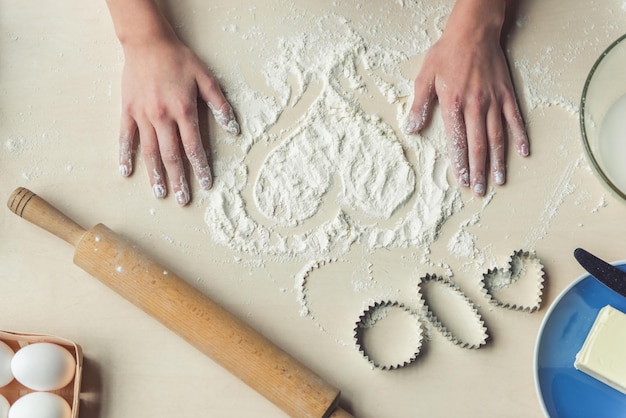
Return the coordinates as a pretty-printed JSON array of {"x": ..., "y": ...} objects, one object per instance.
[{"x": 603, "y": 117}]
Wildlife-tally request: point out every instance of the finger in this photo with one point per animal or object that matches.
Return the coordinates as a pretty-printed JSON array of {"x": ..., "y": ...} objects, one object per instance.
[
  {"x": 128, "y": 130},
  {"x": 173, "y": 162},
  {"x": 457, "y": 143},
  {"x": 192, "y": 143},
  {"x": 211, "y": 93},
  {"x": 225, "y": 117},
  {"x": 514, "y": 119},
  {"x": 475, "y": 121},
  {"x": 152, "y": 159},
  {"x": 423, "y": 98},
  {"x": 495, "y": 137}
]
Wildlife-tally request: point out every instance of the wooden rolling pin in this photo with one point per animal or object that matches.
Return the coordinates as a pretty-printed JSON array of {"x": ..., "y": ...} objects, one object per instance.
[{"x": 203, "y": 323}]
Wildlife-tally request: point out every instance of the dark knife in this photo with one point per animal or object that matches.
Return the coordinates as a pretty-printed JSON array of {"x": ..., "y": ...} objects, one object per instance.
[{"x": 608, "y": 274}]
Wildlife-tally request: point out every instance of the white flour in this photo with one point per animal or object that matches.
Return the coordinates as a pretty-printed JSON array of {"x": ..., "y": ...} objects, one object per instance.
[
  {"x": 336, "y": 174},
  {"x": 335, "y": 152}
]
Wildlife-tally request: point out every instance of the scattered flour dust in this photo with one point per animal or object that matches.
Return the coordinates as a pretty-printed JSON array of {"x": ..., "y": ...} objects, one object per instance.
[
  {"x": 335, "y": 139},
  {"x": 388, "y": 190}
]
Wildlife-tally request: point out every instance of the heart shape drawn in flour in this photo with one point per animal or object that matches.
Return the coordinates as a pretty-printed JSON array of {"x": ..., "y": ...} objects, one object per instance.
[{"x": 517, "y": 287}]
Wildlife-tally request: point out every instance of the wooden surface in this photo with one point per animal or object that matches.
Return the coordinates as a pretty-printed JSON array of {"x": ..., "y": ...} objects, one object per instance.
[{"x": 59, "y": 113}]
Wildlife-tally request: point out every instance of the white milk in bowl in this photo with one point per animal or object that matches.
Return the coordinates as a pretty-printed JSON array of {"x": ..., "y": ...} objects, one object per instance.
[{"x": 612, "y": 144}]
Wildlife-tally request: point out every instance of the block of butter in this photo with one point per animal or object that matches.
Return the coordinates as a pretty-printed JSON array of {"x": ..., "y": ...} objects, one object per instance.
[{"x": 602, "y": 355}]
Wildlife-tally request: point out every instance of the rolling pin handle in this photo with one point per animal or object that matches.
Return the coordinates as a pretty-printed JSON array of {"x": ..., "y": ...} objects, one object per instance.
[{"x": 36, "y": 210}]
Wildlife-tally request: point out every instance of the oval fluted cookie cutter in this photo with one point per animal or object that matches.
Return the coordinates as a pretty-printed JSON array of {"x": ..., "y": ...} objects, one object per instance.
[
  {"x": 446, "y": 326},
  {"x": 370, "y": 317}
]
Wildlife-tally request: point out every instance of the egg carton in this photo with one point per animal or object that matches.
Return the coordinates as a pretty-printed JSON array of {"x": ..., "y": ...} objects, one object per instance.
[{"x": 71, "y": 392}]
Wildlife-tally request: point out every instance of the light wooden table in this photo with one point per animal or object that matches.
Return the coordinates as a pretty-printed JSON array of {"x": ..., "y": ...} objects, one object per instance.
[{"x": 60, "y": 71}]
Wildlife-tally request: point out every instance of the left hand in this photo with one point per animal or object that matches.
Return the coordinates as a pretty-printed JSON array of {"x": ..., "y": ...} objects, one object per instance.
[{"x": 467, "y": 72}]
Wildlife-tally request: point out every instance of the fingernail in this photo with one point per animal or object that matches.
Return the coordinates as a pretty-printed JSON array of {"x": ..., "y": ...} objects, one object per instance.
[
  {"x": 125, "y": 170},
  {"x": 412, "y": 124},
  {"x": 498, "y": 177},
  {"x": 479, "y": 189},
  {"x": 523, "y": 150},
  {"x": 225, "y": 117},
  {"x": 126, "y": 155},
  {"x": 206, "y": 182},
  {"x": 182, "y": 196},
  {"x": 463, "y": 178},
  {"x": 204, "y": 176},
  {"x": 159, "y": 191}
]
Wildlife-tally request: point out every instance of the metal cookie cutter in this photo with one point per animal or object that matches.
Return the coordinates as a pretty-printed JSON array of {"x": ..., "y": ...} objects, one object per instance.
[
  {"x": 519, "y": 286},
  {"x": 470, "y": 337},
  {"x": 370, "y": 318}
]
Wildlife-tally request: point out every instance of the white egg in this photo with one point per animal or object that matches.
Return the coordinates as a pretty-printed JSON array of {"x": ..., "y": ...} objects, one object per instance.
[
  {"x": 6, "y": 354},
  {"x": 43, "y": 366},
  {"x": 4, "y": 407},
  {"x": 40, "y": 405}
]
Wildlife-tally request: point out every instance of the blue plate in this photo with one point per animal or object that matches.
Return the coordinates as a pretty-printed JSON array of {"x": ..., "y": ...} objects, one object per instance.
[{"x": 565, "y": 392}]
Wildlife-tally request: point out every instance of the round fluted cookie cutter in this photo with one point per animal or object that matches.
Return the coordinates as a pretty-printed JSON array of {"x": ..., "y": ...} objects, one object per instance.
[{"x": 368, "y": 319}]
